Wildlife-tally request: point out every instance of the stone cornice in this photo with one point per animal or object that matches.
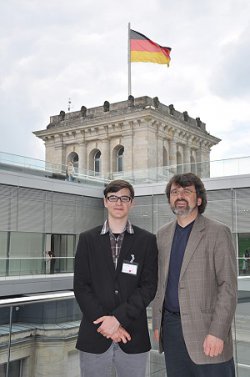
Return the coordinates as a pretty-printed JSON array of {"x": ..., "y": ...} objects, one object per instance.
[{"x": 121, "y": 117}]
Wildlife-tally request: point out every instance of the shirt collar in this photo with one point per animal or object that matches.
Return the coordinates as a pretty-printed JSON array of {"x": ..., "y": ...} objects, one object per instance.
[{"x": 106, "y": 228}]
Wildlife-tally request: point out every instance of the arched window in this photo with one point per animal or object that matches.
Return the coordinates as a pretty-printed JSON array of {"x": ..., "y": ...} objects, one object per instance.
[
  {"x": 73, "y": 157},
  {"x": 119, "y": 158},
  {"x": 97, "y": 163}
]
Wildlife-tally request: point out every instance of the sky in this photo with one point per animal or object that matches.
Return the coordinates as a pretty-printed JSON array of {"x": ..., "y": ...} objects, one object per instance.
[{"x": 53, "y": 50}]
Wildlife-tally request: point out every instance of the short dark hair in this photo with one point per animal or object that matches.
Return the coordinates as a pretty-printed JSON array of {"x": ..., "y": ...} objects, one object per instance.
[
  {"x": 188, "y": 179},
  {"x": 117, "y": 185}
]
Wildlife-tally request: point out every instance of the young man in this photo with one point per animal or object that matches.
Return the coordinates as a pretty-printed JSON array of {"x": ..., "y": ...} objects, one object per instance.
[
  {"x": 115, "y": 279},
  {"x": 197, "y": 288}
]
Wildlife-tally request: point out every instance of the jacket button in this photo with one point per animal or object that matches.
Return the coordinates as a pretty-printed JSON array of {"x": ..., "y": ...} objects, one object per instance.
[{"x": 116, "y": 292}]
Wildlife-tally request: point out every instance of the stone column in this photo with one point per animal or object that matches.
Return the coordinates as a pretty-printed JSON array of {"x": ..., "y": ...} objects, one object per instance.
[
  {"x": 82, "y": 158},
  {"x": 160, "y": 145},
  {"x": 127, "y": 142},
  {"x": 159, "y": 166},
  {"x": 50, "y": 359},
  {"x": 172, "y": 155},
  {"x": 204, "y": 157},
  {"x": 154, "y": 149},
  {"x": 55, "y": 151},
  {"x": 58, "y": 159},
  {"x": 105, "y": 158},
  {"x": 140, "y": 149},
  {"x": 187, "y": 155}
]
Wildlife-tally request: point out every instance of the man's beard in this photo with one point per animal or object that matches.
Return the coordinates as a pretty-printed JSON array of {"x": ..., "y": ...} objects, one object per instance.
[{"x": 182, "y": 211}]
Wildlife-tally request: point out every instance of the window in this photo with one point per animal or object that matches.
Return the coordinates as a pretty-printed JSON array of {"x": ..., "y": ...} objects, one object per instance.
[
  {"x": 26, "y": 253},
  {"x": 244, "y": 253},
  {"x": 97, "y": 163},
  {"x": 63, "y": 246},
  {"x": 120, "y": 153},
  {"x": 73, "y": 157},
  {"x": 15, "y": 368}
]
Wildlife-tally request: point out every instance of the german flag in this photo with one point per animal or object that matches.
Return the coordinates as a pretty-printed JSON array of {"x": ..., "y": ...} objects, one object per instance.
[{"x": 144, "y": 50}]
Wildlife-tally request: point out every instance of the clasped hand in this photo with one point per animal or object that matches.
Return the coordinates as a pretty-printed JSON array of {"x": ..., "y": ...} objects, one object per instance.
[{"x": 110, "y": 328}]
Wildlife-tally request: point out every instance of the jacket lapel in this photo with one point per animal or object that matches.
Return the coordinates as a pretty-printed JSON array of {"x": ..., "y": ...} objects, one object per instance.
[
  {"x": 165, "y": 243},
  {"x": 194, "y": 240},
  {"x": 126, "y": 250},
  {"x": 105, "y": 252}
]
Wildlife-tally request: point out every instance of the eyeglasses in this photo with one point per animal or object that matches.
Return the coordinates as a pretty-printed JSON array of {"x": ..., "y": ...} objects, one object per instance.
[
  {"x": 115, "y": 198},
  {"x": 184, "y": 192}
]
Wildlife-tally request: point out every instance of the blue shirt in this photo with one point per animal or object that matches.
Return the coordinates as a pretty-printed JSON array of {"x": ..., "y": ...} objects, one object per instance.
[{"x": 179, "y": 244}]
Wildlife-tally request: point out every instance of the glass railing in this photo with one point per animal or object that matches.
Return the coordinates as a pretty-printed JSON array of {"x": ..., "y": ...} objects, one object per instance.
[
  {"x": 241, "y": 330},
  {"x": 244, "y": 266},
  {"x": 206, "y": 169},
  {"x": 16, "y": 163},
  {"x": 38, "y": 335},
  {"x": 22, "y": 266}
]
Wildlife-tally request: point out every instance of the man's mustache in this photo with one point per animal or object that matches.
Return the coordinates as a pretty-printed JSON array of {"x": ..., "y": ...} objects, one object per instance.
[{"x": 180, "y": 200}]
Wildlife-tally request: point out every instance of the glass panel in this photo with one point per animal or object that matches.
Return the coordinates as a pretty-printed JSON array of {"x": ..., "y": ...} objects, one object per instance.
[
  {"x": 70, "y": 253},
  {"x": 26, "y": 253},
  {"x": 244, "y": 253},
  {"x": 56, "y": 323},
  {"x": 47, "y": 319},
  {"x": 64, "y": 249},
  {"x": 3, "y": 253},
  {"x": 242, "y": 333},
  {"x": 32, "y": 253}
]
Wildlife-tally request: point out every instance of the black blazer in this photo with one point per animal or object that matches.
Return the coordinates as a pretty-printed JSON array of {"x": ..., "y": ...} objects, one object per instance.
[{"x": 101, "y": 290}]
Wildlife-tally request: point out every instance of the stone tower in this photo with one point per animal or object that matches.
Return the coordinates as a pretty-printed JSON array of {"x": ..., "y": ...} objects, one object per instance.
[{"x": 140, "y": 137}]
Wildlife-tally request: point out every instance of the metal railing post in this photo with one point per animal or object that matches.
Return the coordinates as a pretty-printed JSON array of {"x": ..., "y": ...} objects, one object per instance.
[{"x": 9, "y": 343}]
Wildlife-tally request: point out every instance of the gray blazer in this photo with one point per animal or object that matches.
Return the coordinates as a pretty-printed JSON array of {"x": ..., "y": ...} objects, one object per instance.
[{"x": 207, "y": 286}]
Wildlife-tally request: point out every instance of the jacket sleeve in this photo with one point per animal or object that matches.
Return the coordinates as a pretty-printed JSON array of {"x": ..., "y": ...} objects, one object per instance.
[
  {"x": 130, "y": 310},
  {"x": 158, "y": 300},
  {"x": 88, "y": 302},
  {"x": 226, "y": 276}
]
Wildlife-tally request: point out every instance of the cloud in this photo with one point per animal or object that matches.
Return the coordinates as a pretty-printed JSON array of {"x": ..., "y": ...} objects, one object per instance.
[
  {"x": 231, "y": 79},
  {"x": 232, "y": 146},
  {"x": 53, "y": 50}
]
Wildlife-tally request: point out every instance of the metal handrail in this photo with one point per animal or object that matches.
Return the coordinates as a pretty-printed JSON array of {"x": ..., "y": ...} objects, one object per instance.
[{"x": 15, "y": 301}]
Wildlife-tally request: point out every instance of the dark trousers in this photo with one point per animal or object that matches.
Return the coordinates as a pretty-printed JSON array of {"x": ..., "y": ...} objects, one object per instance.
[{"x": 178, "y": 362}]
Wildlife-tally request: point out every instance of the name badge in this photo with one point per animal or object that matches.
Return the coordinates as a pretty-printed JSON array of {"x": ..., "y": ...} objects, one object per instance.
[{"x": 129, "y": 268}]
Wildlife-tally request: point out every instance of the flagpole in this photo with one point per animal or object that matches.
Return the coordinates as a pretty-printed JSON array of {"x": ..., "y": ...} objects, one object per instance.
[{"x": 129, "y": 62}]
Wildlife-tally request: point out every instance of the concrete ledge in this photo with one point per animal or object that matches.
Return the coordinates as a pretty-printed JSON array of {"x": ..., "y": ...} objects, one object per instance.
[{"x": 11, "y": 286}]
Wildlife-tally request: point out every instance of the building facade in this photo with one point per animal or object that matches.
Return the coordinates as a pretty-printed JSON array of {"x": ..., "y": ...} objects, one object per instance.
[
  {"x": 128, "y": 137},
  {"x": 40, "y": 214}
]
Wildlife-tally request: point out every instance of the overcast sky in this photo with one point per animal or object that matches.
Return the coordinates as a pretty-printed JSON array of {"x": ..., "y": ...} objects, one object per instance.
[{"x": 53, "y": 50}]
